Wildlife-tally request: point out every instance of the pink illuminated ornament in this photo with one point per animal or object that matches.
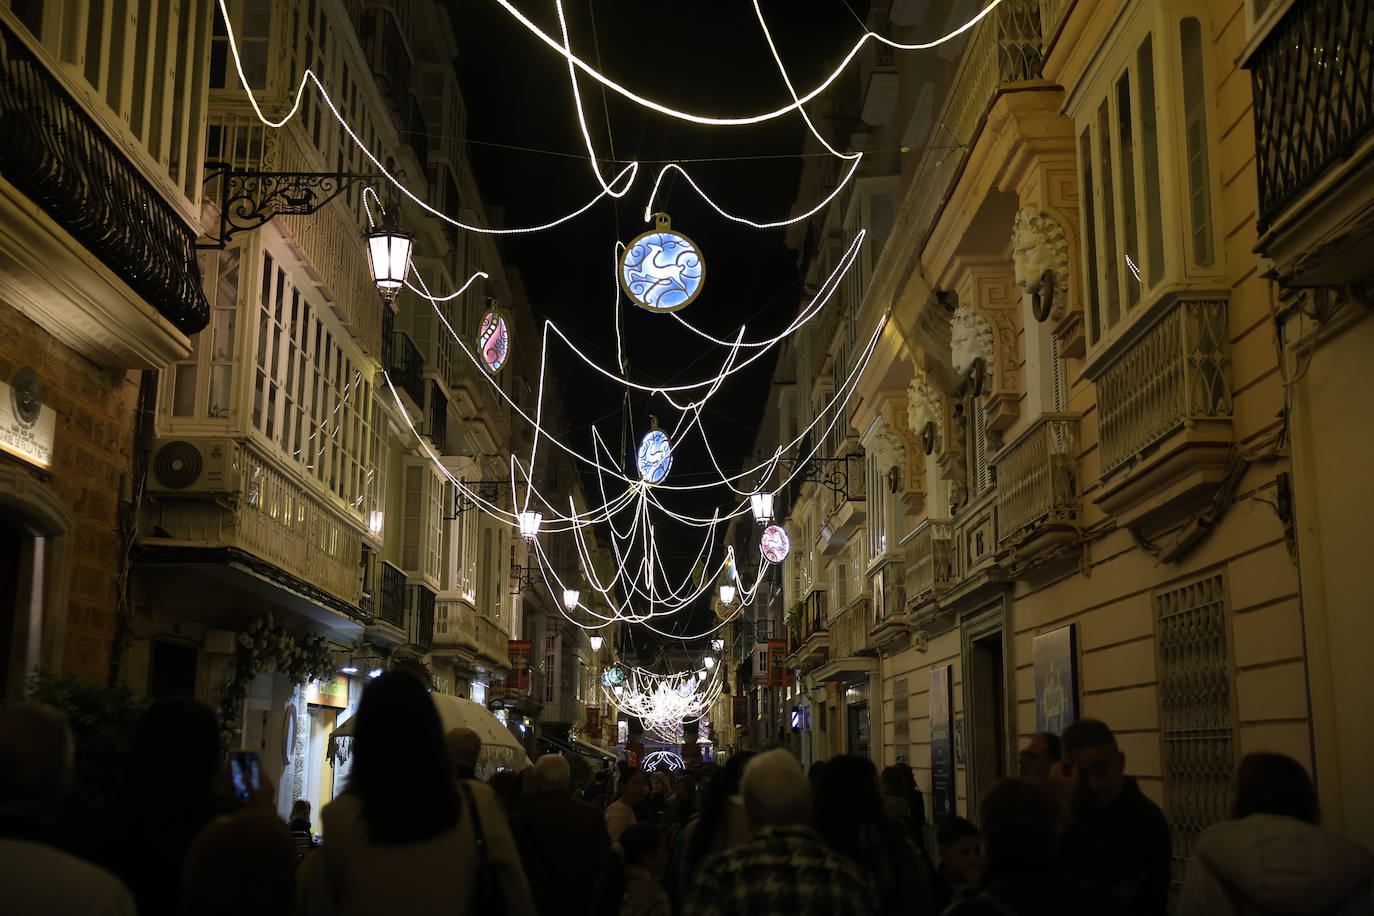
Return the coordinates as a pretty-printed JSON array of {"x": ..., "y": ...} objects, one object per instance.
[
  {"x": 493, "y": 340},
  {"x": 773, "y": 544}
]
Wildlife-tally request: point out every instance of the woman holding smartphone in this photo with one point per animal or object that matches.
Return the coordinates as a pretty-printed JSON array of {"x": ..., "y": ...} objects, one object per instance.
[{"x": 405, "y": 837}]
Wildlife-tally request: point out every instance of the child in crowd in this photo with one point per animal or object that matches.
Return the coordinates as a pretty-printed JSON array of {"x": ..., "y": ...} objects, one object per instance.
[{"x": 961, "y": 860}]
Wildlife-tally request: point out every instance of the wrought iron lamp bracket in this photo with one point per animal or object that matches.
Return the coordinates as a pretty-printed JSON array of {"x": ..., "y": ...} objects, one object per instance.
[
  {"x": 250, "y": 199},
  {"x": 490, "y": 491},
  {"x": 831, "y": 473}
]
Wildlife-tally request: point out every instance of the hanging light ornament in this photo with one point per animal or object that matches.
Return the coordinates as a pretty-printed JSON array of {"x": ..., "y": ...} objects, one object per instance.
[
  {"x": 662, "y": 270},
  {"x": 493, "y": 338},
  {"x": 727, "y": 594},
  {"x": 663, "y": 760},
  {"x": 388, "y": 254},
  {"x": 596, "y": 643},
  {"x": 655, "y": 456},
  {"x": 663, "y": 701},
  {"x": 570, "y": 598},
  {"x": 774, "y": 544}
]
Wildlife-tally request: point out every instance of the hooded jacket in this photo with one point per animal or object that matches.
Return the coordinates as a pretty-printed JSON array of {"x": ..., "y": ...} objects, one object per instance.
[{"x": 1267, "y": 864}]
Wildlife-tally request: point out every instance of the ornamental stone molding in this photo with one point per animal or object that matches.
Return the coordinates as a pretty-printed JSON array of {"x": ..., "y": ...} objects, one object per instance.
[
  {"x": 970, "y": 339},
  {"x": 1039, "y": 246}
]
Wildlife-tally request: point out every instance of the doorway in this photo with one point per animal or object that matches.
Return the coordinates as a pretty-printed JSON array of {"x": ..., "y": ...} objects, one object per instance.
[
  {"x": 858, "y": 729},
  {"x": 987, "y": 718}
]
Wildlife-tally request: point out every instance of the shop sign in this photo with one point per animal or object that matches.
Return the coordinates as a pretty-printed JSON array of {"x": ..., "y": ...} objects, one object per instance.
[
  {"x": 518, "y": 652},
  {"x": 27, "y": 426},
  {"x": 740, "y": 709},
  {"x": 778, "y": 675},
  {"x": 330, "y": 692}
]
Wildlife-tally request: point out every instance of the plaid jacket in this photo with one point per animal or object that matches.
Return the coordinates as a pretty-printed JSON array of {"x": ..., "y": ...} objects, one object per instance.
[{"x": 783, "y": 871}]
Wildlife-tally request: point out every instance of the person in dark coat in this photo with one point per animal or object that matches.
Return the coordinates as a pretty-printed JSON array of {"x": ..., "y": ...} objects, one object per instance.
[
  {"x": 563, "y": 842},
  {"x": 1113, "y": 836},
  {"x": 1020, "y": 874}
]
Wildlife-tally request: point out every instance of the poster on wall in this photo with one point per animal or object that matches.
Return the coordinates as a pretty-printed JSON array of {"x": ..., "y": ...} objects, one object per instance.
[
  {"x": 1056, "y": 679},
  {"x": 941, "y": 743}
]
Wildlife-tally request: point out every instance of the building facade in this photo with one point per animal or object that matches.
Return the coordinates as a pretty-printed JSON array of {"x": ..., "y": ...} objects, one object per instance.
[{"x": 1084, "y": 484}]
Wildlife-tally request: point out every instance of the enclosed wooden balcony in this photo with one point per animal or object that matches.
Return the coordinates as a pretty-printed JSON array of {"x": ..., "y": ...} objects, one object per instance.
[{"x": 1038, "y": 500}]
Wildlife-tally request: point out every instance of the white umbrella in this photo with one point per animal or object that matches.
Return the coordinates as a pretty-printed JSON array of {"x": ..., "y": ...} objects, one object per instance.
[{"x": 499, "y": 747}]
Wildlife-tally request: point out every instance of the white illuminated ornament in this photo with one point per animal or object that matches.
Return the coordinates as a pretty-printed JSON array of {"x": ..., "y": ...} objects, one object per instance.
[
  {"x": 570, "y": 598},
  {"x": 663, "y": 760},
  {"x": 493, "y": 339},
  {"x": 708, "y": 662},
  {"x": 529, "y": 524},
  {"x": 655, "y": 456},
  {"x": 718, "y": 644},
  {"x": 727, "y": 594},
  {"x": 596, "y": 643},
  {"x": 388, "y": 254},
  {"x": 773, "y": 544},
  {"x": 662, "y": 270},
  {"x": 762, "y": 504}
]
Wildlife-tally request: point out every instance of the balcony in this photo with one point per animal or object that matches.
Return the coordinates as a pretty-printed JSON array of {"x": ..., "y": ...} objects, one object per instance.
[
  {"x": 391, "y": 596},
  {"x": 1038, "y": 500},
  {"x": 406, "y": 367},
  {"x": 455, "y": 625},
  {"x": 851, "y": 659},
  {"x": 436, "y": 416},
  {"x": 268, "y": 523},
  {"x": 1314, "y": 96},
  {"x": 808, "y": 631},
  {"x": 58, "y": 157},
  {"x": 1164, "y": 408},
  {"x": 419, "y": 618},
  {"x": 930, "y": 562},
  {"x": 492, "y": 644}
]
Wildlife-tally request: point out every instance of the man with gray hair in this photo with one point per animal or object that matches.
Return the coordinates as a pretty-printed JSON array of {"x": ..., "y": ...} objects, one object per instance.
[
  {"x": 786, "y": 869},
  {"x": 563, "y": 842},
  {"x": 36, "y": 753},
  {"x": 464, "y": 747}
]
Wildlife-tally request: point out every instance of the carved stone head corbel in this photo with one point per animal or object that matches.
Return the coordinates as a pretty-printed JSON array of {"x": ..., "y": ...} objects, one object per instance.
[
  {"x": 1040, "y": 257},
  {"x": 971, "y": 349}
]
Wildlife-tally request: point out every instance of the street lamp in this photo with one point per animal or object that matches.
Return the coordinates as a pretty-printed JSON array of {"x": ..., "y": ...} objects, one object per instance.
[
  {"x": 570, "y": 598},
  {"x": 762, "y": 504},
  {"x": 717, "y": 644},
  {"x": 388, "y": 254},
  {"x": 708, "y": 662},
  {"x": 596, "y": 643},
  {"x": 529, "y": 524},
  {"x": 727, "y": 594}
]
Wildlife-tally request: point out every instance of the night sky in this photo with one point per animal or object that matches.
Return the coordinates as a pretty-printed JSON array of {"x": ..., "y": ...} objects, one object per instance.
[{"x": 531, "y": 166}]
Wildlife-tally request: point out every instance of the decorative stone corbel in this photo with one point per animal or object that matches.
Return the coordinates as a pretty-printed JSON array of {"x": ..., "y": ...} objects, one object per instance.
[
  {"x": 925, "y": 414},
  {"x": 971, "y": 349},
  {"x": 1040, "y": 257}
]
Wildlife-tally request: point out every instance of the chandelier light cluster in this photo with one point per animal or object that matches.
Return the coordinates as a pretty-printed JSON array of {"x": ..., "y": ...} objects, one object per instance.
[{"x": 662, "y": 702}]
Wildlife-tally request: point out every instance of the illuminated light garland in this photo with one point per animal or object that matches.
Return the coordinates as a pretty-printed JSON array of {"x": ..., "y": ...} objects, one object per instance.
[
  {"x": 748, "y": 119},
  {"x": 663, "y": 701},
  {"x": 663, "y": 760}
]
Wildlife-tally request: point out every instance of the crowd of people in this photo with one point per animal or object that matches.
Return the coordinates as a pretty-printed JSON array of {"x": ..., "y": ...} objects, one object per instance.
[{"x": 415, "y": 831}]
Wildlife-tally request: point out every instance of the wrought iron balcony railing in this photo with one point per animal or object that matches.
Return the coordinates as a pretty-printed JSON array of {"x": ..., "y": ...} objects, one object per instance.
[
  {"x": 1313, "y": 82},
  {"x": 407, "y": 367},
  {"x": 57, "y": 155},
  {"x": 1036, "y": 479},
  {"x": 1177, "y": 372},
  {"x": 391, "y": 604},
  {"x": 420, "y": 618}
]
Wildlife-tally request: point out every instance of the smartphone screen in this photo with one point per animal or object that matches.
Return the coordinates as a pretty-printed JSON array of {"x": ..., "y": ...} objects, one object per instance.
[{"x": 246, "y": 773}]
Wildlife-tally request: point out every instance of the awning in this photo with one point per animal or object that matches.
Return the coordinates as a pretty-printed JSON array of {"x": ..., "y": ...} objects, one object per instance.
[
  {"x": 574, "y": 746},
  {"x": 499, "y": 747},
  {"x": 591, "y": 750}
]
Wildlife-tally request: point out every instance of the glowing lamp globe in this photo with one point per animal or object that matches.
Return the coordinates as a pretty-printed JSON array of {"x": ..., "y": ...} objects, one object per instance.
[
  {"x": 762, "y": 504},
  {"x": 774, "y": 544},
  {"x": 388, "y": 254},
  {"x": 718, "y": 644},
  {"x": 708, "y": 662},
  {"x": 570, "y": 598},
  {"x": 529, "y": 524},
  {"x": 596, "y": 642},
  {"x": 727, "y": 594}
]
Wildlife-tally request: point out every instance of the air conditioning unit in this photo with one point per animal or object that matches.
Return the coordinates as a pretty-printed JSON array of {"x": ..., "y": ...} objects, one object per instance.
[{"x": 195, "y": 467}]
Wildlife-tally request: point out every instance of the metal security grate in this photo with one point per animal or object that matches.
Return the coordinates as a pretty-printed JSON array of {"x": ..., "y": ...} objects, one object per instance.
[
  {"x": 901, "y": 719},
  {"x": 1314, "y": 96},
  {"x": 1196, "y": 718}
]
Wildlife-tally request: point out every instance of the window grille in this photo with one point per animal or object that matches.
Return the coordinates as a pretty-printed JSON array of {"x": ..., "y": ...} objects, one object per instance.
[{"x": 1196, "y": 718}]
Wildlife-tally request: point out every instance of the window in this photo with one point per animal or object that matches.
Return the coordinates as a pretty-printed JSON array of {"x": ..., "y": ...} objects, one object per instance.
[
  {"x": 309, "y": 398},
  {"x": 1195, "y": 131},
  {"x": 1119, "y": 171},
  {"x": 424, "y": 510},
  {"x": 213, "y": 350}
]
